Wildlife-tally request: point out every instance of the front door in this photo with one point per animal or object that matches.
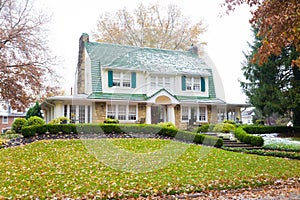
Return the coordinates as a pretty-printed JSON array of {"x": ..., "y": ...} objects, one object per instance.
[{"x": 158, "y": 114}]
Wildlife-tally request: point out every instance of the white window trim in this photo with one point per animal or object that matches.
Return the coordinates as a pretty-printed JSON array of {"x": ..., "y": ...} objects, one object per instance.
[
  {"x": 77, "y": 112},
  {"x": 122, "y": 79},
  {"x": 197, "y": 111},
  {"x": 192, "y": 84},
  {"x": 164, "y": 85},
  {"x": 127, "y": 111}
]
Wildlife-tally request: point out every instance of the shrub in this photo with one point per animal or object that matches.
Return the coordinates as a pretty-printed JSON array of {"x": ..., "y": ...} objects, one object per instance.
[
  {"x": 224, "y": 128},
  {"x": 243, "y": 136},
  {"x": 111, "y": 121},
  {"x": 29, "y": 131},
  {"x": 18, "y": 124},
  {"x": 60, "y": 120},
  {"x": 227, "y": 121},
  {"x": 9, "y": 132},
  {"x": 204, "y": 128},
  {"x": 166, "y": 124},
  {"x": 34, "y": 121}
]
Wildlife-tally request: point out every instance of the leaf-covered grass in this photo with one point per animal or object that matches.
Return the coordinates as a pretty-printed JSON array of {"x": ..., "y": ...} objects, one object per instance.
[{"x": 68, "y": 168}]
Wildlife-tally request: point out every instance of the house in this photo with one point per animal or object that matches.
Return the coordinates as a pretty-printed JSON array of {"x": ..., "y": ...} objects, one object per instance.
[
  {"x": 142, "y": 85},
  {"x": 7, "y": 119}
]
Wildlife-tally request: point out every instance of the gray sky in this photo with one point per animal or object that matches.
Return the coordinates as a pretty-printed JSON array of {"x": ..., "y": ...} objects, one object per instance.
[{"x": 226, "y": 36}]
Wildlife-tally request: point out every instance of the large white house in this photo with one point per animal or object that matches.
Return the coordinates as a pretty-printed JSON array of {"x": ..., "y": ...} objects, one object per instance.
[{"x": 142, "y": 85}]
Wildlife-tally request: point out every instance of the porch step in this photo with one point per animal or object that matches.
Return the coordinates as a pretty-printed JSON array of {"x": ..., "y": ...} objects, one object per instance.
[{"x": 236, "y": 144}]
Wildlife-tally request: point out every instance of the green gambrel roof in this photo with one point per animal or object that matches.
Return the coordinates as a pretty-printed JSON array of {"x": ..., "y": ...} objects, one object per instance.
[
  {"x": 146, "y": 59},
  {"x": 130, "y": 58}
]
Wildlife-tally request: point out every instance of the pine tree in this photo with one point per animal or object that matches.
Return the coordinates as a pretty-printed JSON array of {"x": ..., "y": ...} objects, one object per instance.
[{"x": 274, "y": 86}]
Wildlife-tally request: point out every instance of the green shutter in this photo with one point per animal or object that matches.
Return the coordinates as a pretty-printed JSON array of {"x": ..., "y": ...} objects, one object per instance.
[
  {"x": 183, "y": 83},
  {"x": 133, "y": 80},
  {"x": 202, "y": 84},
  {"x": 110, "y": 78}
]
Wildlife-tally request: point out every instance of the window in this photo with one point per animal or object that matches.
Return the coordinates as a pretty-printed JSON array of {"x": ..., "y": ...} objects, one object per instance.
[
  {"x": 194, "y": 113},
  {"x": 160, "y": 82},
  {"x": 202, "y": 114},
  {"x": 193, "y": 83},
  {"x": 78, "y": 113},
  {"x": 184, "y": 113},
  {"x": 81, "y": 114},
  {"x": 116, "y": 79},
  {"x": 5, "y": 120},
  {"x": 111, "y": 111},
  {"x": 126, "y": 79},
  {"x": 122, "y": 112},
  {"x": 132, "y": 112}
]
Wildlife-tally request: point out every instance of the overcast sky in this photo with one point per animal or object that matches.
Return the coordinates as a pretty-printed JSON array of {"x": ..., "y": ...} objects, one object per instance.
[{"x": 226, "y": 36}]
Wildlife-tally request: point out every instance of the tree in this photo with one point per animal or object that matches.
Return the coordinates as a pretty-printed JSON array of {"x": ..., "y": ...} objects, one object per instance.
[
  {"x": 34, "y": 111},
  {"x": 273, "y": 87},
  {"x": 278, "y": 22},
  {"x": 25, "y": 63},
  {"x": 149, "y": 27}
]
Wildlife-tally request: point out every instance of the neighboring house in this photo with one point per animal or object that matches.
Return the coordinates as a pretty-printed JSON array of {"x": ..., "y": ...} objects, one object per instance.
[
  {"x": 7, "y": 119},
  {"x": 142, "y": 85},
  {"x": 247, "y": 115}
]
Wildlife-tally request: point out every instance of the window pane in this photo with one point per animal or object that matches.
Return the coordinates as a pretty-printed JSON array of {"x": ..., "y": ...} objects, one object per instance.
[
  {"x": 153, "y": 81},
  {"x": 72, "y": 113},
  {"x": 121, "y": 112},
  {"x": 202, "y": 113},
  {"x": 111, "y": 111},
  {"x": 132, "y": 112},
  {"x": 188, "y": 83},
  {"x": 65, "y": 110},
  {"x": 89, "y": 114},
  {"x": 126, "y": 79},
  {"x": 116, "y": 78},
  {"x": 196, "y": 85},
  {"x": 167, "y": 82},
  {"x": 184, "y": 113},
  {"x": 160, "y": 82},
  {"x": 81, "y": 114}
]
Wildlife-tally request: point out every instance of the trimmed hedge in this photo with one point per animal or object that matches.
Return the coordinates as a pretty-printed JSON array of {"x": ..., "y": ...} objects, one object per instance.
[
  {"x": 29, "y": 131},
  {"x": 243, "y": 136},
  {"x": 260, "y": 129},
  {"x": 171, "y": 132},
  {"x": 281, "y": 154}
]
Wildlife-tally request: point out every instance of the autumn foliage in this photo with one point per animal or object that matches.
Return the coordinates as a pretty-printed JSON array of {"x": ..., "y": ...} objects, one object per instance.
[
  {"x": 278, "y": 22},
  {"x": 149, "y": 26},
  {"x": 25, "y": 71}
]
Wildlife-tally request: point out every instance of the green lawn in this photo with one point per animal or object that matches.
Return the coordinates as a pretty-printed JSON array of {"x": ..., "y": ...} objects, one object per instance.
[{"x": 72, "y": 168}]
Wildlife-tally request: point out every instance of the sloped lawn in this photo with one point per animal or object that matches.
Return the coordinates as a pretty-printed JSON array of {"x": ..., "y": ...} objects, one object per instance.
[{"x": 68, "y": 168}]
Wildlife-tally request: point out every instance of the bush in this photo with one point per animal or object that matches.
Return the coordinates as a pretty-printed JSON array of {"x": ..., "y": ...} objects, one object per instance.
[
  {"x": 29, "y": 131},
  {"x": 204, "y": 128},
  {"x": 111, "y": 121},
  {"x": 227, "y": 121},
  {"x": 224, "y": 128},
  {"x": 9, "y": 132},
  {"x": 243, "y": 136},
  {"x": 34, "y": 121},
  {"x": 18, "y": 124},
  {"x": 60, "y": 120}
]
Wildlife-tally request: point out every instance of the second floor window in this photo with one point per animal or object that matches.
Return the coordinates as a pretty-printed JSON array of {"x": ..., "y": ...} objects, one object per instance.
[
  {"x": 193, "y": 84},
  {"x": 160, "y": 82},
  {"x": 121, "y": 79}
]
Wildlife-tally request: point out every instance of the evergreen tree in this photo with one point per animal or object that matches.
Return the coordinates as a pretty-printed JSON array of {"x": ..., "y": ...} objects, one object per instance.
[
  {"x": 34, "y": 111},
  {"x": 274, "y": 86}
]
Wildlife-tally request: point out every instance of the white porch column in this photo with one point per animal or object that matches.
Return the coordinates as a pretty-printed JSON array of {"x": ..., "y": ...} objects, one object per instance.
[
  {"x": 58, "y": 110},
  {"x": 148, "y": 114},
  {"x": 171, "y": 113}
]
